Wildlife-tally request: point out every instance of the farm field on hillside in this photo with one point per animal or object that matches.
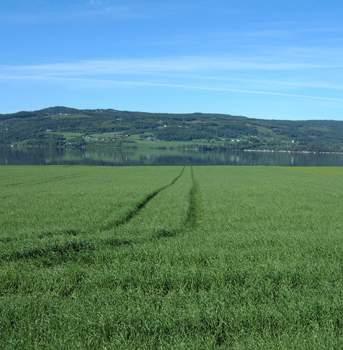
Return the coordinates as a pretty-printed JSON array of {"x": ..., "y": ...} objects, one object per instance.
[{"x": 171, "y": 257}]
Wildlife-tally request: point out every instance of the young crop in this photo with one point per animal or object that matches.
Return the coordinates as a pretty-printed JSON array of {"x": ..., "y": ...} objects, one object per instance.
[{"x": 171, "y": 257}]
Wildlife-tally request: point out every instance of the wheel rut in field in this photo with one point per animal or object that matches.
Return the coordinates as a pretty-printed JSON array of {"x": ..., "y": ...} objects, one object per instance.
[
  {"x": 69, "y": 249},
  {"x": 140, "y": 205},
  {"x": 194, "y": 206},
  {"x": 193, "y": 214},
  {"x": 46, "y": 181},
  {"x": 51, "y": 254},
  {"x": 119, "y": 222},
  {"x": 69, "y": 232}
]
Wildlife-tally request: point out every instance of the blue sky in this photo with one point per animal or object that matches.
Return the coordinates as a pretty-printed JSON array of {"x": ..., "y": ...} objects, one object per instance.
[{"x": 265, "y": 58}]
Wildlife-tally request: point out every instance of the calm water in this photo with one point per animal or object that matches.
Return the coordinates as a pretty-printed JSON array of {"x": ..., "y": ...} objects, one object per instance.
[{"x": 115, "y": 156}]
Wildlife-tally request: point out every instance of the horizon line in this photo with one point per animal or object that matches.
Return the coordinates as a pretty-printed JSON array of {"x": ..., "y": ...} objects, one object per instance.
[{"x": 172, "y": 113}]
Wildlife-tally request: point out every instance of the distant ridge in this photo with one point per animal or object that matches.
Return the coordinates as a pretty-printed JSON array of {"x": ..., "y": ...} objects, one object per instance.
[
  {"x": 70, "y": 110},
  {"x": 64, "y": 125}
]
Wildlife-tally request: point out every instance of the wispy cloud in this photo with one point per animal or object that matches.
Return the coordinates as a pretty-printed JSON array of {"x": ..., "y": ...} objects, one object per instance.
[
  {"x": 212, "y": 75},
  {"x": 154, "y": 65},
  {"x": 110, "y": 83},
  {"x": 311, "y": 84}
]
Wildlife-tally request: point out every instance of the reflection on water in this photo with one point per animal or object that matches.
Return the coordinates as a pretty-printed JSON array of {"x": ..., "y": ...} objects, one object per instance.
[{"x": 116, "y": 156}]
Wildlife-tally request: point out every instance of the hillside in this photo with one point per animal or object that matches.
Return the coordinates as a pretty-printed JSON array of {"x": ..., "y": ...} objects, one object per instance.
[{"x": 64, "y": 127}]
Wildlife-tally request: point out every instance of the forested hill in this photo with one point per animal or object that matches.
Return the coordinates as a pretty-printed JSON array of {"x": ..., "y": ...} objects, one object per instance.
[{"x": 68, "y": 126}]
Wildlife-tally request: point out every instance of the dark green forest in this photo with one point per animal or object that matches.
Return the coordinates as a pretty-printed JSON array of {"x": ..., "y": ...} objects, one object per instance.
[{"x": 68, "y": 127}]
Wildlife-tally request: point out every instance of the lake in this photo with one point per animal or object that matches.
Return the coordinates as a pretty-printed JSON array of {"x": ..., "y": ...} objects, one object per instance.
[{"x": 136, "y": 156}]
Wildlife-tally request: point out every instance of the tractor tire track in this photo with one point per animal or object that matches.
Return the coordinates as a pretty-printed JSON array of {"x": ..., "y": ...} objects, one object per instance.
[
  {"x": 46, "y": 181},
  {"x": 51, "y": 254},
  {"x": 193, "y": 214},
  {"x": 119, "y": 222},
  {"x": 140, "y": 205},
  {"x": 69, "y": 250},
  {"x": 194, "y": 206}
]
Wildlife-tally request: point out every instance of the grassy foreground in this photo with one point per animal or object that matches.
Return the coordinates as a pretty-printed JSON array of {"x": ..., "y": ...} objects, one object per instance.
[{"x": 166, "y": 257}]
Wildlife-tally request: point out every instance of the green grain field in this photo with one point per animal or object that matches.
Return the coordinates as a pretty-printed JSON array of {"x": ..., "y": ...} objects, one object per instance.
[{"x": 171, "y": 257}]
